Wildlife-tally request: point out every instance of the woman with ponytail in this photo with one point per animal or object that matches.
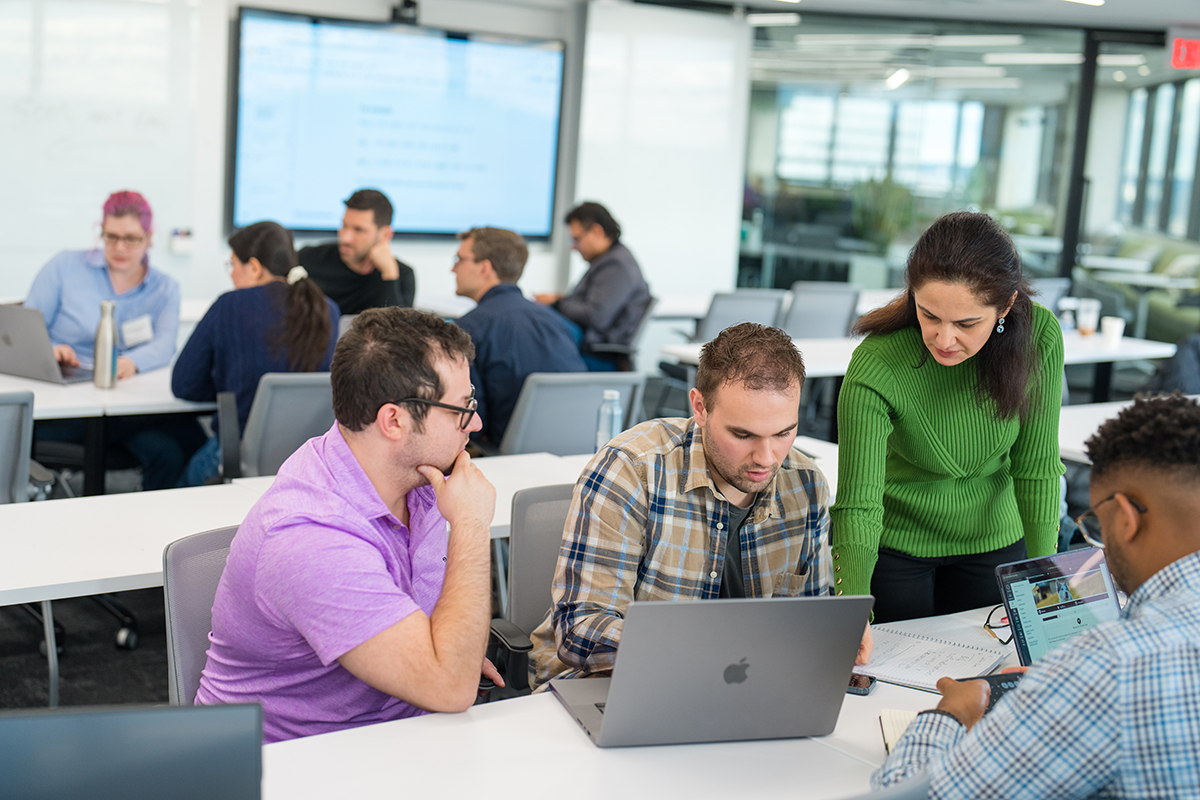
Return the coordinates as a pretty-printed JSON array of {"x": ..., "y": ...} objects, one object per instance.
[
  {"x": 275, "y": 320},
  {"x": 948, "y": 428}
]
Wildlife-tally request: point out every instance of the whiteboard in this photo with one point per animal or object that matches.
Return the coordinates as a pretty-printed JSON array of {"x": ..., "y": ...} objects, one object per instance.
[{"x": 95, "y": 96}]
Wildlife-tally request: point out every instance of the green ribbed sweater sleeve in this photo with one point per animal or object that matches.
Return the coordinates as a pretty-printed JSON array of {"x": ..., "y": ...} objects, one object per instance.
[{"x": 924, "y": 469}]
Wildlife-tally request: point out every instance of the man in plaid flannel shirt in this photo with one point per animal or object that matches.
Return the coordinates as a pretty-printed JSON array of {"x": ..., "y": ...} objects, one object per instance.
[
  {"x": 1114, "y": 712},
  {"x": 657, "y": 507}
]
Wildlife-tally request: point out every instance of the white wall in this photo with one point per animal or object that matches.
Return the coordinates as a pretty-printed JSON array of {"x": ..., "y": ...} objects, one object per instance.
[
  {"x": 157, "y": 122},
  {"x": 662, "y": 138}
]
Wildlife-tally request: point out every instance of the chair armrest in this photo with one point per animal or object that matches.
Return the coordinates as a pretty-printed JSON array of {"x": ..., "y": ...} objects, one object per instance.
[
  {"x": 231, "y": 441},
  {"x": 510, "y": 637}
]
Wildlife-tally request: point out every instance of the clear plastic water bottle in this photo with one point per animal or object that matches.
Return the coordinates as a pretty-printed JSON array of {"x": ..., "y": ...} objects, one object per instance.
[
  {"x": 609, "y": 418},
  {"x": 104, "y": 369}
]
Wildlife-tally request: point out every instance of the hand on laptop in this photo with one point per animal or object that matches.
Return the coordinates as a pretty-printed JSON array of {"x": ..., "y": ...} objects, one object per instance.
[
  {"x": 125, "y": 368},
  {"x": 65, "y": 354},
  {"x": 965, "y": 700},
  {"x": 864, "y": 649}
]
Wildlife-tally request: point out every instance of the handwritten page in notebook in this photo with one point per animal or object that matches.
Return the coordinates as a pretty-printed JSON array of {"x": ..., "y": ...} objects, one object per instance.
[
  {"x": 917, "y": 653},
  {"x": 894, "y": 722}
]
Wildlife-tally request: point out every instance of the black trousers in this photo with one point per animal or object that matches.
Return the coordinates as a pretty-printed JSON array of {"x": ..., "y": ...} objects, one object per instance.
[{"x": 907, "y": 586}]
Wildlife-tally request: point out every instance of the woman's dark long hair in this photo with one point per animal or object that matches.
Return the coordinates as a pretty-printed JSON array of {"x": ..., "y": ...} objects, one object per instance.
[
  {"x": 304, "y": 335},
  {"x": 972, "y": 250}
]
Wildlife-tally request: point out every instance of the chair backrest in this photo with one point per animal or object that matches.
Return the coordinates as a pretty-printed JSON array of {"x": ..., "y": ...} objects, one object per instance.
[
  {"x": 289, "y": 409},
  {"x": 1048, "y": 291},
  {"x": 192, "y": 568},
  {"x": 344, "y": 323},
  {"x": 821, "y": 310},
  {"x": 640, "y": 330},
  {"x": 746, "y": 305},
  {"x": 538, "y": 518},
  {"x": 16, "y": 445},
  {"x": 556, "y": 411}
]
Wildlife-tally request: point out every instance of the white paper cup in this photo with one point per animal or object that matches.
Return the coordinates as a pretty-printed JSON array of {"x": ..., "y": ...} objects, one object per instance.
[
  {"x": 1087, "y": 318},
  {"x": 1112, "y": 329}
]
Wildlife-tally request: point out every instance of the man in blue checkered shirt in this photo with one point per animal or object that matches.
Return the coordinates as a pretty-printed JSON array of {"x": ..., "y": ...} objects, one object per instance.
[{"x": 1115, "y": 712}]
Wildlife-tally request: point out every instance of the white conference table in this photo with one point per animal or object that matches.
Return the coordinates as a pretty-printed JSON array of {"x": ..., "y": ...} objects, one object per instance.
[
  {"x": 144, "y": 393},
  {"x": 1076, "y": 424},
  {"x": 825, "y": 358},
  {"x": 695, "y": 306},
  {"x": 468, "y": 754},
  {"x": 107, "y": 543}
]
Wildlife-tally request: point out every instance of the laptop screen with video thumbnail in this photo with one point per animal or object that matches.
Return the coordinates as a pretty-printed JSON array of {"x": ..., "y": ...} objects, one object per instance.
[{"x": 1051, "y": 599}]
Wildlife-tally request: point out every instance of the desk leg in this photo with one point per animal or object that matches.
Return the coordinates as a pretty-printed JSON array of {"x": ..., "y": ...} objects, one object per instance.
[
  {"x": 93, "y": 456},
  {"x": 1102, "y": 382},
  {"x": 51, "y": 651}
]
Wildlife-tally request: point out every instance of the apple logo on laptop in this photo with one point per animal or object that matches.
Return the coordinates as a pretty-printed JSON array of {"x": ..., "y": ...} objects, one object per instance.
[{"x": 736, "y": 673}]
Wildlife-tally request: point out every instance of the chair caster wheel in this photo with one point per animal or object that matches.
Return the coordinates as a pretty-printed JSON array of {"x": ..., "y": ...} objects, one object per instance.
[
  {"x": 58, "y": 647},
  {"x": 127, "y": 638}
]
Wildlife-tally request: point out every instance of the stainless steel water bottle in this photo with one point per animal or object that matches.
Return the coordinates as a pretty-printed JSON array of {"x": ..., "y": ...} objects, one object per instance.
[{"x": 105, "y": 368}]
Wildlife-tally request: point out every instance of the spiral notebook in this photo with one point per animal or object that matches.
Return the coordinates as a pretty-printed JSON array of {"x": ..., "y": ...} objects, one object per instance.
[{"x": 916, "y": 653}]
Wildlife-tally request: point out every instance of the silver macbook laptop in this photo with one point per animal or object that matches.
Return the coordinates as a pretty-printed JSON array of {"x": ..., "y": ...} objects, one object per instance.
[
  {"x": 25, "y": 349},
  {"x": 1051, "y": 599},
  {"x": 723, "y": 670}
]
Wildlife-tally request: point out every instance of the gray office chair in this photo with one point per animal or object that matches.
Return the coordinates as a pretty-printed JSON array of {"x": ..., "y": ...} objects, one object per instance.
[
  {"x": 192, "y": 568},
  {"x": 538, "y": 518},
  {"x": 821, "y": 310},
  {"x": 556, "y": 412},
  {"x": 289, "y": 409},
  {"x": 16, "y": 445},
  {"x": 1048, "y": 291},
  {"x": 344, "y": 323},
  {"x": 745, "y": 305},
  {"x": 625, "y": 355},
  {"x": 1112, "y": 299},
  {"x": 916, "y": 788}
]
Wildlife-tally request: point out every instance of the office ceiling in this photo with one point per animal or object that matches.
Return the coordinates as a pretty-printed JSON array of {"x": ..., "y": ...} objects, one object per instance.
[{"x": 1114, "y": 14}]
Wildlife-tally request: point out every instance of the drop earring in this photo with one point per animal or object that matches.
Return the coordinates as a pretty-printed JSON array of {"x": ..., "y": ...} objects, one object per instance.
[{"x": 1000, "y": 325}]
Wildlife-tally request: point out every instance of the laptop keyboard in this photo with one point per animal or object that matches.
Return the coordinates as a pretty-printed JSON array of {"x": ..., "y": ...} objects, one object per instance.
[{"x": 1000, "y": 684}]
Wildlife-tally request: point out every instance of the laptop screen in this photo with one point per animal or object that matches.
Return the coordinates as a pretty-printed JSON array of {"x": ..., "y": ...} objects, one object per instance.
[{"x": 1051, "y": 599}]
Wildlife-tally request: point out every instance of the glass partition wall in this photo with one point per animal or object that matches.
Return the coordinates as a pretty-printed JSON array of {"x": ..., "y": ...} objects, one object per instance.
[
  {"x": 1140, "y": 232},
  {"x": 863, "y": 131}
]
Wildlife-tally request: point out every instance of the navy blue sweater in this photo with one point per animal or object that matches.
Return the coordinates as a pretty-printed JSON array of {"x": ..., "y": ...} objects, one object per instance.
[
  {"x": 230, "y": 349},
  {"x": 513, "y": 337}
]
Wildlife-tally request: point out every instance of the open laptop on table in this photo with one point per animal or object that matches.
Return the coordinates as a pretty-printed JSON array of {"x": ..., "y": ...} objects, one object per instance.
[
  {"x": 146, "y": 752},
  {"x": 723, "y": 670},
  {"x": 25, "y": 349},
  {"x": 1051, "y": 599}
]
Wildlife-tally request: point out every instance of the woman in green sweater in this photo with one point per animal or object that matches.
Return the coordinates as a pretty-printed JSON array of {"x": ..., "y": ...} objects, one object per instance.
[{"x": 948, "y": 427}]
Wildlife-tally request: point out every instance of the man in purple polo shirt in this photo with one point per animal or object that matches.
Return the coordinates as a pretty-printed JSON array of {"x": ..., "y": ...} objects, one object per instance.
[{"x": 345, "y": 600}]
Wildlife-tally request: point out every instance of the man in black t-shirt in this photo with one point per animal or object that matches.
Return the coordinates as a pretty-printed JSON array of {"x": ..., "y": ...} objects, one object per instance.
[{"x": 358, "y": 271}]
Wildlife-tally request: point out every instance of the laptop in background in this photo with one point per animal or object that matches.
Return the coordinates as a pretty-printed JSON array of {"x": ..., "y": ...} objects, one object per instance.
[
  {"x": 146, "y": 752},
  {"x": 26, "y": 351},
  {"x": 1051, "y": 599},
  {"x": 722, "y": 670}
]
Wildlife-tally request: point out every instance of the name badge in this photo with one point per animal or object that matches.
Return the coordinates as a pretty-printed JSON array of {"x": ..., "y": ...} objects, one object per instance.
[{"x": 137, "y": 331}]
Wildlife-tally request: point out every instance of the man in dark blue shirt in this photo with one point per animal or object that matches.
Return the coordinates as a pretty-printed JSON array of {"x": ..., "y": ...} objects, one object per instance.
[{"x": 513, "y": 336}]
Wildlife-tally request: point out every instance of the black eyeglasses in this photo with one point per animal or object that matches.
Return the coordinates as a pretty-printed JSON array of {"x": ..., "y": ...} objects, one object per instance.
[
  {"x": 465, "y": 412},
  {"x": 1089, "y": 523},
  {"x": 992, "y": 627}
]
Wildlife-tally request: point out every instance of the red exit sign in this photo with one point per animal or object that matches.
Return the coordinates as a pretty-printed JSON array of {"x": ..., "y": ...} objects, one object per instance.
[
  {"x": 1185, "y": 48},
  {"x": 1185, "y": 54}
]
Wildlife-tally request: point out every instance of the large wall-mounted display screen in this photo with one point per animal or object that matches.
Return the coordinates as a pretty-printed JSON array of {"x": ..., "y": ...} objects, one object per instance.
[{"x": 459, "y": 130}]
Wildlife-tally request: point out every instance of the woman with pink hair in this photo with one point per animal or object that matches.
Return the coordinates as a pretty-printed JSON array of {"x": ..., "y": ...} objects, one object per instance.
[{"x": 68, "y": 292}]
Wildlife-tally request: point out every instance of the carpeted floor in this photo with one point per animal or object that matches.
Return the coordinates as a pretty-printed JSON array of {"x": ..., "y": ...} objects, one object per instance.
[{"x": 93, "y": 670}]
